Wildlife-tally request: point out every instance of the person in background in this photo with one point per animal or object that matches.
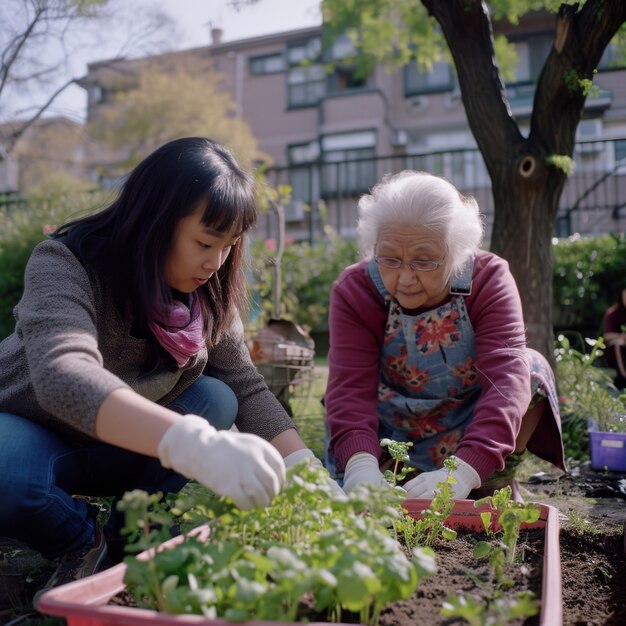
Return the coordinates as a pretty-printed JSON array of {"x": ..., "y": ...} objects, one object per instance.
[
  {"x": 128, "y": 367},
  {"x": 427, "y": 345},
  {"x": 614, "y": 330}
]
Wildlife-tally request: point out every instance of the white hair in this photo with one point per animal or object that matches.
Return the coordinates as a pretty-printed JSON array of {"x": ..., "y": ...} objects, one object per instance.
[{"x": 412, "y": 198}]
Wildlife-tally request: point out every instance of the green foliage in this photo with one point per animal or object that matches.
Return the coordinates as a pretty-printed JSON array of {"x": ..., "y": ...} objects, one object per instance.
[
  {"x": 586, "y": 393},
  {"x": 561, "y": 162},
  {"x": 588, "y": 275},
  {"x": 259, "y": 563},
  {"x": 21, "y": 229},
  {"x": 575, "y": 83},
  {"x": 308, "y": 272}
]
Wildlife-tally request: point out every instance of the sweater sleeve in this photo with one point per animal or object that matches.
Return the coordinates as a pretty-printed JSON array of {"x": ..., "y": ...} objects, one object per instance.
[
  {"x": 356, "y": 324},
  {"x": 56, "y": 322},
  {"x": 495, "y": 311},
  {"x": 259, "y": 411}
]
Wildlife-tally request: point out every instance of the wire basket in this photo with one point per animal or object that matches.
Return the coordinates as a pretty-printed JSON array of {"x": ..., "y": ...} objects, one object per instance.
[{"x": 286, "y": 364}]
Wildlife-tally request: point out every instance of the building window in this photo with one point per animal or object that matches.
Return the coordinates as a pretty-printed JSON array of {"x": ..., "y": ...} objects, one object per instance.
[
  {"x": 417, "y": 81},
  {"x": 267, "y": 64},
  {"x": 613, "y": 57},
  {"x": 306, "y": 78},
  {"x": 620, "y": 149},
  {"x": 345, "y": 76},
  {"x": 531, "y": 57},
  {"x": 306, "y": 85},
  {"x": 95, "y": 94},
  {"x": 300, "y": 157},
  {"x": 349, "y": 163},
  {"x": 303, "y": 51}
]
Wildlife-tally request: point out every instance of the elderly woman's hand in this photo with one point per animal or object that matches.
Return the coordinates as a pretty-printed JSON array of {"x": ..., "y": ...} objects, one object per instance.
[
  {"x": 425, "y": 485},
  {"x": 362, "y": 467}
]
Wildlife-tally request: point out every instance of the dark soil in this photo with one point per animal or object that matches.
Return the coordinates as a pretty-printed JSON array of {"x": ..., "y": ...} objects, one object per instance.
[
  {"x": 592, "y": 512},
  {"x": 592, "y": 519},
  {"x": 459, "y": 573}
]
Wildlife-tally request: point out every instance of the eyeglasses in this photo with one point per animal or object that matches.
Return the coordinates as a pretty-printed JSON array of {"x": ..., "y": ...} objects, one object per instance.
[{"x": 416, "y": 266}]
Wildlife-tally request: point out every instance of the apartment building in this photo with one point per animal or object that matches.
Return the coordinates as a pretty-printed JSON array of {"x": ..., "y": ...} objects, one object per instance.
[{"x": 332, "y": 135}]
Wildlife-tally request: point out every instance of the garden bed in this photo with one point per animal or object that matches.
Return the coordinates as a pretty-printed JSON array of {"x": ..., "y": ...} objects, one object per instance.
[
  {"x": 591, "y": 509},
  {"x": 88, "y": 602}
]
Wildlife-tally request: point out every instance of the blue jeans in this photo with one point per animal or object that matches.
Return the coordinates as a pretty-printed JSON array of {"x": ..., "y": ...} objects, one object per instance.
[{"x": 40, "y": 472}]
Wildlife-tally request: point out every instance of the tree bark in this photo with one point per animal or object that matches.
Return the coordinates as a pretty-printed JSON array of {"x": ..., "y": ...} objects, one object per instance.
[{"x": 526, "y": 188}]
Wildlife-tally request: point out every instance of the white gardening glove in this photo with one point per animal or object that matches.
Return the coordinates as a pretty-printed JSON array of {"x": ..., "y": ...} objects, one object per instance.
[
  {"x": 307, "y": 455},
  {"x": 362, "y": 467},
  {"x": 425, "y": 485},
  {"x": 244, "y": 467}
]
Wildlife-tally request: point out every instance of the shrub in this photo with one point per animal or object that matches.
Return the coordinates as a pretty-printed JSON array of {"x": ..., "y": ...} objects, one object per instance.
[
  {"x": 21, "y": 229},
  {"x": 308, "y": 272},
  {"x": 588, "y": 275}
]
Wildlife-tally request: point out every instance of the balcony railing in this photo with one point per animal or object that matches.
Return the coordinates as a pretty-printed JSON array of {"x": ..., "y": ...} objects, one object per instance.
[{"x": 592, "y": 201}]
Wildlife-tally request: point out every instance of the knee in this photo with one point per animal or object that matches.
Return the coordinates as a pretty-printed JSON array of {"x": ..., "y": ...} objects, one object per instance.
[{"x": 221, "y": 403}]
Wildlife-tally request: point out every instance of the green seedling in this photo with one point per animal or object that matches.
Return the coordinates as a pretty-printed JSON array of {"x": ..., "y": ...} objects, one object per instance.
[
  {"x": 511, "y": 516},
  {"x": 399, "y": 452},
  {"x": 431, "y": 526},
  {"x": 498, "y": 612}
]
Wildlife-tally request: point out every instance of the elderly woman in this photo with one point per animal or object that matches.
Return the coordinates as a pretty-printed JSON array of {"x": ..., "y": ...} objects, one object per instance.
[{"x": 427, "y": 345}]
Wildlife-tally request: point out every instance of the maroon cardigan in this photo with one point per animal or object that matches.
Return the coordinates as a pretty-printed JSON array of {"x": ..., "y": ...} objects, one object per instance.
[{"x": 357, "y": 321}]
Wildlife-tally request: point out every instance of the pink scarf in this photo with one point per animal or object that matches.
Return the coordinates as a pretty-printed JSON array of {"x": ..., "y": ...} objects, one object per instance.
[{"x": 180, "y": 330}]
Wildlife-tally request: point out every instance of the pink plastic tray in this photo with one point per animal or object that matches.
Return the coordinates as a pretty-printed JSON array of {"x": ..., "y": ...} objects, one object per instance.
[{"x": 84, "y": 602}]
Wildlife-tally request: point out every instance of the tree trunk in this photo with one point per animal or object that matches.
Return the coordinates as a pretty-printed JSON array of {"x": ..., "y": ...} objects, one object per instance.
[
  {"x": 522, "y": 234},
  {"x": 526, "y": 187}
]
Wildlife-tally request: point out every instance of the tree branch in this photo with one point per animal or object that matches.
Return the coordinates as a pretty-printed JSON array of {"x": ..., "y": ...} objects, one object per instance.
[
  {"x": 21, "y": 42},
  {"x": 466, "y": 25},
  {"x": 15, "y": 136},
  {"x": 580, "y": 40}
]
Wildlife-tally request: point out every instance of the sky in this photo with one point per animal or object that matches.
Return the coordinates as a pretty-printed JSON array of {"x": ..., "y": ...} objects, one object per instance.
[{"x": 194, "y": 19}]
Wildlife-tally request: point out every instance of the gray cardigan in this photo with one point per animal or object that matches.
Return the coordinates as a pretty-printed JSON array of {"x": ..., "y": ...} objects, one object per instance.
[{"x": 71, "y": 348}]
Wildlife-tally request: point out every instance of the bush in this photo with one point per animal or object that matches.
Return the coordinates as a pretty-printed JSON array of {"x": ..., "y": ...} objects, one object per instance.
[
  {"x": 589, "y": 273},
  {"x": 21, "y": 229},
  {"x": 308, "y": 272}
]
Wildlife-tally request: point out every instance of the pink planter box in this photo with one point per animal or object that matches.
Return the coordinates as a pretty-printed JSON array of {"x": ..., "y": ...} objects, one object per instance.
[
  {"x": 608, "y": 450},
  {"x": 84, "y": 602}
]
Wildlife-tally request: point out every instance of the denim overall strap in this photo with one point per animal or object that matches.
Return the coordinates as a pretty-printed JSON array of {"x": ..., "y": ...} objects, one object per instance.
[
  {"x": 461, "y": 283},
  {"x": 374, "y": 272}
]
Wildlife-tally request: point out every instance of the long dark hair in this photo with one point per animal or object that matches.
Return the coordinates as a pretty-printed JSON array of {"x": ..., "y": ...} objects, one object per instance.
[{"x": 128, "y": 241}]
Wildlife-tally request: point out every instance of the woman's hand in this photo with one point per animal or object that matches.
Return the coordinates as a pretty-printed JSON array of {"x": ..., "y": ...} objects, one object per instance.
[
  {"x": 424, "y": 486},
  {"x": 305, "y": 454},
  {"x": 244, "y": 467},
  {"x": 362, "y": 467}
]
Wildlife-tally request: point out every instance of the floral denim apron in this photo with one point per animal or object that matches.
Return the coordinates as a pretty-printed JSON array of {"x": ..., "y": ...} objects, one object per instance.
[{"x": 428, "y": 384}]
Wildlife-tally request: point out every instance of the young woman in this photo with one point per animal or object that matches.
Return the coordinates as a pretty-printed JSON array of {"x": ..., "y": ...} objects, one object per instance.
[
  {"x": 427, "y": 345},
  {"x": 127, "y": 367}
]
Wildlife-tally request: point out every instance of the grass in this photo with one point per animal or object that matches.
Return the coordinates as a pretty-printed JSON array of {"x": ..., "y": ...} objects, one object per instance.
[{"x": 308, "y": 412}]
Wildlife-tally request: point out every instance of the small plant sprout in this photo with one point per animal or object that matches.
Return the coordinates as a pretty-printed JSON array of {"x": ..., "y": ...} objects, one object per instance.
[
  {"x": 511, "y": 515},
  {"x": 497, "y": 612},
  {"x": 399, "y": 452},
  {"x": 426, "y": 530}
]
